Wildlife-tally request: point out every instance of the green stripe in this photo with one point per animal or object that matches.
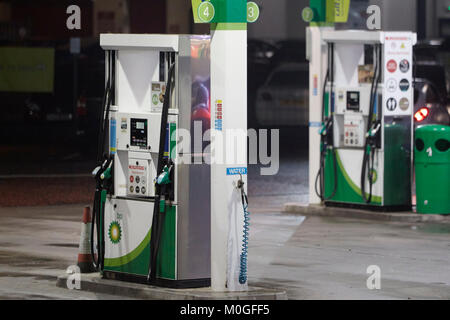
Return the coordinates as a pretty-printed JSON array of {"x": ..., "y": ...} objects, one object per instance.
[
  {"x": 321, "y": 24},
  {"x": 375, "y": 199},
  {"x": 228, "y": 26},
  {"x": 116, "y": 262}
]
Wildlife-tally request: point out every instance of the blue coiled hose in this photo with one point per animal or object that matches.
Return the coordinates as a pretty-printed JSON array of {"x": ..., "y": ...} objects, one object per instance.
[{"x": 244, "y": 252}]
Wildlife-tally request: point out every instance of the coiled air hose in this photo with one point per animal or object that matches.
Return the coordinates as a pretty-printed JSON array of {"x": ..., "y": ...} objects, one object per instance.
[{"x": 244, "y": 250}]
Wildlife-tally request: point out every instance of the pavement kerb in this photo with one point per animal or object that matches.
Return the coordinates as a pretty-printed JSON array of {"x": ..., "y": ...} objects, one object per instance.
[
  {"x": 322, "y": 211},
  {"x": 93, "y": 282}
]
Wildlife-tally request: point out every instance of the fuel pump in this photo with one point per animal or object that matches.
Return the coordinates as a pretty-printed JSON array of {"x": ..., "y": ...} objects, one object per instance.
[
  {"x": 366, "y": 117},
  {"x": 152, "y": 204}
]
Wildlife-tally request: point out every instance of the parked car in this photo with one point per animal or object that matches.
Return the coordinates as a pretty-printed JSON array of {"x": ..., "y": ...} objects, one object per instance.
[
  {"x": 283, "y": 100},
  {"x": 289, "y": 51},
  {"x": 434, "y": 53},
  {"x": 429, "y": 104},
  {"x": 434, "y": 72},
  {"x": 259, "y": 55},
  {"x": 259, "y": 51},
  {"x": 430, "y": 91}
]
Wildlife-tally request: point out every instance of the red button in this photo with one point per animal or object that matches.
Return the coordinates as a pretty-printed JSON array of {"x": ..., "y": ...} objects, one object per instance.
[{"x": 131, "y": 179}]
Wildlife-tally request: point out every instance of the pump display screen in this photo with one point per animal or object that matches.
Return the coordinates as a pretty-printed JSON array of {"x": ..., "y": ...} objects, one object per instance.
[
  {"x": 138, "y": 137},
  {"x": 353, "y": 100}
]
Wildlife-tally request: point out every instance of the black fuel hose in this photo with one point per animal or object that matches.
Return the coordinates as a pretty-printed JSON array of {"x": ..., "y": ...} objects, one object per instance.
[
  {"x": 97, "y": 214},
  {"x": 158, "y": 218},
  {"x": 325, "y": 137},
  {"x": 368, "y": 156},
  {"x": 103, "y": 163}
]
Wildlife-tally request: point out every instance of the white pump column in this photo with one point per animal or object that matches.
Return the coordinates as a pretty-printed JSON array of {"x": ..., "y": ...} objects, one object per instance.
[
  {"x": 316, "y": 53},
  {"x": 229, "y": 151}
]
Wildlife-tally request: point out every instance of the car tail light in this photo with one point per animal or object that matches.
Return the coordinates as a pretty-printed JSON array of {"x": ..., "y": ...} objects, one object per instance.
[
  {"x": 81, "y": 106},
  {"x": 422, "y": 114}
]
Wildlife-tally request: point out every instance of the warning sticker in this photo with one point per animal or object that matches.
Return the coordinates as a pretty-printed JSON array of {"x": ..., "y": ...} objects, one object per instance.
[
  {"x": 391, "y": 85},
  {"x": 157, "y": 96},
  {"x": 398, "y": 95},
  {"x": 404, "y": 85},
  {"x": 391, "y": 104},
  {"x": 404, "y": 66},
  {"x": 218, "y": 116},
  {"x": 391, "y": 66},
  {"x": 404, "y": 104}
]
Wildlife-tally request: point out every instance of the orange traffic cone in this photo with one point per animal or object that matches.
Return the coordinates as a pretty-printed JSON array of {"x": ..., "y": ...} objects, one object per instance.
[{"x": 85, "y": 262}]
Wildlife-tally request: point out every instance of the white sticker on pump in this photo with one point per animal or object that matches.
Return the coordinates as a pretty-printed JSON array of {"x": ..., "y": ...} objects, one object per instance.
[{"x": 399, "y": 96}]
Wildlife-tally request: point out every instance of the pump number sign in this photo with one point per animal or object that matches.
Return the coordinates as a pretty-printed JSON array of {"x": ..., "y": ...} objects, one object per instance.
[
  {"x": 224, "y": 11},
  {"x": 252, "y": 12},
  {"x": 206, "y": 11}
]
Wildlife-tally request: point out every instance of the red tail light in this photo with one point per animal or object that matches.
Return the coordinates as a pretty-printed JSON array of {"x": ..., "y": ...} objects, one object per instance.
[
  {"x": 81, "y": 106},
  {"x": 422, "y": 114}
]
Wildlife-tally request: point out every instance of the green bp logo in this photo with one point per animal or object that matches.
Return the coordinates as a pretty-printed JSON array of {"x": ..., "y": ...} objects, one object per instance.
[
  {"x": 115, "y": 232},
  {"x": 373, "y": 175},
  {"x": 155, "y": 99}
]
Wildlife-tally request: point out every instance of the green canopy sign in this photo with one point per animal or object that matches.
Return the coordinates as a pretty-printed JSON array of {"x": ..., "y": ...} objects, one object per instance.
[
  {"x": 220, "y": 11},
  {"x": 327, "y": 11},
  {"x": 337, "y": 10}
]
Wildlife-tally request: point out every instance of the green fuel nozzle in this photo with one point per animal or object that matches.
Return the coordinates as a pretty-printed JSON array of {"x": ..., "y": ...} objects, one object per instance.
[
  {"x": 106, "y": 174},
  {"x": 164, "y": 177}
]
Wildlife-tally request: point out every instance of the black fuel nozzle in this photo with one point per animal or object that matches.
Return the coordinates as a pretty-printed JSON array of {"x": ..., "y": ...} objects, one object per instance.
[
  {"x": 240, "y": 183},
  {"x": 240, "y": 186},
  {"x": 374, "y": 135}
]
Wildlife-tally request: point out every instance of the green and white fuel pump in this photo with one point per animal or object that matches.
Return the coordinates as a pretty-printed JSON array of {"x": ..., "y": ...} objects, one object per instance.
[
  {"x": 361, "y": 104},
  {"x": 167, "y": 214}
]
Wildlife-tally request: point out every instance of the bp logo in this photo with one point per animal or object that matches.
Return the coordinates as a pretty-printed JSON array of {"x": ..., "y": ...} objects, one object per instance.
[
  {"x": 155, "y": 99},
  {"x": 373, "y": 176},
  {"x": 115, "y": 232}
]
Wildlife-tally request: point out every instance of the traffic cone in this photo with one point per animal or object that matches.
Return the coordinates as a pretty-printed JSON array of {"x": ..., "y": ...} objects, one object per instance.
[{"x": 85, "y": 262}]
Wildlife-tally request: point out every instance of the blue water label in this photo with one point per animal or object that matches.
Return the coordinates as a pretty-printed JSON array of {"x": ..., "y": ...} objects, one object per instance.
[
  {"x": 315, "y": 124},
  {"x": 236, "y": 171},
  {"x": 112, "y": 136}
]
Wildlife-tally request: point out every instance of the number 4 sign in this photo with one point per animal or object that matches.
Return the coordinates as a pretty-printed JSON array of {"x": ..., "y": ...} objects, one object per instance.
[
  {"x": 224, "y": 11},
  {"x": 206, "y": 11}
]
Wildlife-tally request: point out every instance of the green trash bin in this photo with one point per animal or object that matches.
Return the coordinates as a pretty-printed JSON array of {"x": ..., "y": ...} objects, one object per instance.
[{"x": 432, "y": 168}]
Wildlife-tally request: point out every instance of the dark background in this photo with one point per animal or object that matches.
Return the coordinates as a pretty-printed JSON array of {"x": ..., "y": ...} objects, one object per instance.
[{"x": 48, "y": 140}]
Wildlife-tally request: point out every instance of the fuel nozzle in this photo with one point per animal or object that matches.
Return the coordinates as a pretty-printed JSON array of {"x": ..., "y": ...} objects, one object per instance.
[
  {"x": 106, "y": 175},
  {"x": 164, "y": 176},
  {"x": 326, "y": 126},
  {"x": 240, "y": 186},
  {"x": 240, "y": 183},
  {"x": 373, "y": 136}
]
